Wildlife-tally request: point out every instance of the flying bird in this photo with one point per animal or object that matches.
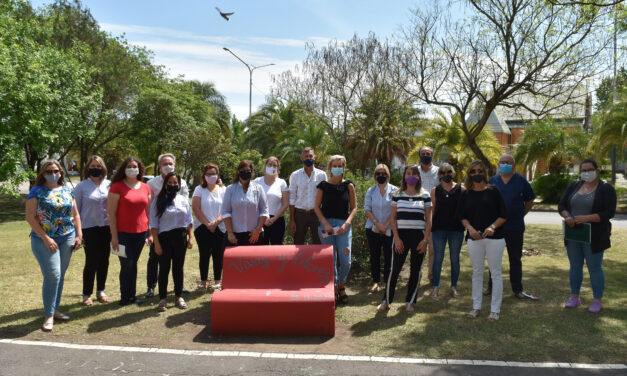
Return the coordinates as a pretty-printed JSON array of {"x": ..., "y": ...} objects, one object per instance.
[{"x": 224, "y": 15}]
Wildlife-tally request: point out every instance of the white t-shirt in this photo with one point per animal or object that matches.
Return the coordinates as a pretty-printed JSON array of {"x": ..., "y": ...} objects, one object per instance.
[
  {"x": 274, "y": 193},
  {"x": 210, "y": 205}
]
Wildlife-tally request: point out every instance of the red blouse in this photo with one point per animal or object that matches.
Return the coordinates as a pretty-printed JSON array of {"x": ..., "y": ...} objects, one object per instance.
[{"x": 131, "y": 215}]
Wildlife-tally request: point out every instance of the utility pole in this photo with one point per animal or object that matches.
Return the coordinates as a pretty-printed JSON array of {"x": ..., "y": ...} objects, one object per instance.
[
  {"x": 251, "y": 68},
  {"x": 614, "y": 83}
]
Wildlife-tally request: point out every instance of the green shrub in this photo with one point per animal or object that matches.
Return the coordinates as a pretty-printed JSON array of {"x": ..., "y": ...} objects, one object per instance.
[{"x": 551, "y": 187}]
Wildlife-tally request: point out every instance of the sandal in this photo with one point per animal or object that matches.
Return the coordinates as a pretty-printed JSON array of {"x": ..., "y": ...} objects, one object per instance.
[
  {"x": 162, "y": 307},
  {"x": 374, "y": 288},
  {"x": 47, "y": 326},
  {"x": 384, "y": 306},
  {"x": 435, "y": 293},
  {"x": 409, "y": 308},
  {"x": 473, "y": 313},
  {"x": 454, "y": 292},
  {"x": 87, "y": 301},
  {"x": 342, "y": 298},
  {"x": 58, "y": 316},
  {"x": 493, "y": 316},
  {"x": 102, "y": 297},
  {"x": 181, "y": 303}
]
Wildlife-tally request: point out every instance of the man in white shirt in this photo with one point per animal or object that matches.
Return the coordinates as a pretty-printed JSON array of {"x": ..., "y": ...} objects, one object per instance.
[
  {"x": 303, "y": 188},
  {"x": 429, "y": 179},
  {"x": 167, "y": 163}
]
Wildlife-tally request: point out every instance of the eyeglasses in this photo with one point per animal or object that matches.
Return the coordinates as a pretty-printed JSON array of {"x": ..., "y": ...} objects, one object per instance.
[
  {"x": 381, "y": 174},
  {"x": 590, "y": 170},
  {"x": 52, "y": 172},
  {"x": 476, "y": 171},
  {"x": 445, "y": 172}
]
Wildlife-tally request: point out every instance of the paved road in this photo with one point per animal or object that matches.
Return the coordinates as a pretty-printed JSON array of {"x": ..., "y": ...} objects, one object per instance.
[
  {"x": 552, "y": 218},
  {"x": 19, "y": 359}
]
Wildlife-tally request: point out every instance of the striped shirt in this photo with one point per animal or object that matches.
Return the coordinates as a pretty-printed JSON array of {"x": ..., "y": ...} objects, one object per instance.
[{"x": 410, "y": 210}]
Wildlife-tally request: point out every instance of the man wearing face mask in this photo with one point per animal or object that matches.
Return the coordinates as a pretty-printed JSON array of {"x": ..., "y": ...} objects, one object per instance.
[
  {"x": 429, "y": 178},
  {"x": 167, "y": 163},
  {"x": 303, "y": 187},
  {"x": 518, "y": 197}
]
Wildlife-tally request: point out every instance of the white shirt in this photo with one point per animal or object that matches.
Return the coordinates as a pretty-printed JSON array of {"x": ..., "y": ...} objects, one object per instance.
[
  {"x": 210, "y": 205},
  {"x": 274, "y": 193},
  {"x": 303, "y": 188},
  {"x": 176, "y": 215},
  {"x": 156, "y": 184},
  {"x": 429, "y": 178}
]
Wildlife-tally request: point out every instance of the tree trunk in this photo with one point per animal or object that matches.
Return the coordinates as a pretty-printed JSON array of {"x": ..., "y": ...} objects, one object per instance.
[{"x": 472, "y": 143}]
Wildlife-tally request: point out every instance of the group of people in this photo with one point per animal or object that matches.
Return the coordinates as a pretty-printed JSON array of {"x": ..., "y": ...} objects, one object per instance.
[{"x": 428, "y": 211}]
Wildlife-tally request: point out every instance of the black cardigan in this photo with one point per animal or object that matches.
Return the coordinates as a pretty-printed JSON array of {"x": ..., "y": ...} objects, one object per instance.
[{"x": 604, "y": 205}]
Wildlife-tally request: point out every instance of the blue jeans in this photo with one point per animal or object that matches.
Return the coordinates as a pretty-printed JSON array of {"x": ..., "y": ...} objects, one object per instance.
[
  {"x": 341, "y": 249},
  {"x": 133, "y": 243},
  {"x": 577, "y": 253},
  {"x": 455, "y": 240},
  {"x": 53, "y": 267}
]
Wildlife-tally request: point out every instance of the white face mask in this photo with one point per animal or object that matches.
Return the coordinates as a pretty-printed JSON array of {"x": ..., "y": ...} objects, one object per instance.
[
  {"x": 132, "y": 172},
  {"x": 270, "y": 170},
  {"x": 588, "y": 176},
  {"x": 167, "y": 169}
]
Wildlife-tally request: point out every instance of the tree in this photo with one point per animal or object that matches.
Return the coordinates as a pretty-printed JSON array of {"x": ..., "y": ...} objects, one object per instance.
[
  {"x": 265, "y": 127},
  {"x": 605, "y": 90},
  {"x": 610, "y": 126},
  {"x": 504, "y": 54},
  {"x": 547, "y": 141},
  {"x": 308, "y": 132},
  {"x": 446, "y": 137},
  {"x": 384, "y": 129}
]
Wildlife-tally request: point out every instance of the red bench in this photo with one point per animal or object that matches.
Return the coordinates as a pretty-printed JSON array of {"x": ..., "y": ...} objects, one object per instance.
[{"x": 275, "y": 290}]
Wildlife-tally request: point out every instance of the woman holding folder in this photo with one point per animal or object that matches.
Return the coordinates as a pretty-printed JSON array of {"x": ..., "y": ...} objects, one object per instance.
[{"x": 587, "y": 206}]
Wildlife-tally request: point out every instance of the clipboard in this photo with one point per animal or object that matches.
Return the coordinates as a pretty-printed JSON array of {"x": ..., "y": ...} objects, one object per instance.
[
  {"x": 121, "y": 252},
  {"x": 580, "y": 233}
]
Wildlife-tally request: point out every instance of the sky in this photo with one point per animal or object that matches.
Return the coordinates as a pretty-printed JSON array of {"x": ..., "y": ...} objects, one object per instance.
[{"x": 188, "y": 36}]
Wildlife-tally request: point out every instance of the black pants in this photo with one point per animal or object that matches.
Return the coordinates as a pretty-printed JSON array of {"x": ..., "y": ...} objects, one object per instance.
[
  {"x": 152, "y": 268},
  {"x": 97, "y": 248},
  {"x": 134, "y": 243},
  {"x": 410, "y": 239},
  {"x": 174, "y": 247},
  {"x": 379, "y": 243},
  {"x": 242, "y": 239},
  {"x": 274, "y": 234},
  {"x": 305, "y": 222},
  {"x": 514, "y": 242},
  {"x": 210, "y": 245}
]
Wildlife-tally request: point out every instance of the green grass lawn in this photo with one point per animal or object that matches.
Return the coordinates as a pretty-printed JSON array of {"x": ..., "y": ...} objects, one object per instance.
[{"x": 527, "y": 331}]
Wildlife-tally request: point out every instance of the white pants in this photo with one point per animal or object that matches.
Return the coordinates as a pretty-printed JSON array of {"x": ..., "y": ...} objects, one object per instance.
[{"x": 478, "y": 250}]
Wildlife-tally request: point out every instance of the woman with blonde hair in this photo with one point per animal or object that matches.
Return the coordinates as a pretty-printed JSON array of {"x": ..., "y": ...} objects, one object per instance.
[
  {"x": 91, "y": 201},
  {"x": 278, "y": 197},
  {"x": 55, "y": 233},
  {"x": 378, "y": 207},
  {"x": 336, "y": 206},
  {"x": 483, "y": 212}
]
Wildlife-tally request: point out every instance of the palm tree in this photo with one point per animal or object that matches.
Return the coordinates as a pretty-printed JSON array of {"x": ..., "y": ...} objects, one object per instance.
[
  {"x": 265, "y": 127},
  {"x": 208, "y": 92},
  {"x": 449, "y": 143},
  {"x": 305, "y": 133},
  {"x": 610, "y": 128},
  {"x": 556, "y": 145}
]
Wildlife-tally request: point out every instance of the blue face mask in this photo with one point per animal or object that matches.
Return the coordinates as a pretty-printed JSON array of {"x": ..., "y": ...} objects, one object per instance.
[
  {"x": 426, "y": 159},
  {"x": 506, "y": 168},
  {"x": 337, "y": 171},
  {"x": 308, "y": 162}
]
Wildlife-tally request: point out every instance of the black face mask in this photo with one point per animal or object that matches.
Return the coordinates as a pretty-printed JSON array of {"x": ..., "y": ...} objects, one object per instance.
[
  {"x": 172, "y": 189},
  {"x": 446, "y": 178},
  {"x": 478, "y": 178},
  {"x": 245, "y": 175},
  {"x": 381, "y": 179},
  {"x": 95, "y": 172}
]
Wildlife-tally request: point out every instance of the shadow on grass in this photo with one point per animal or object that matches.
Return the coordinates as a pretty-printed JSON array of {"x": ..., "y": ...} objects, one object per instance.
[{"x": 12, "y": 208}]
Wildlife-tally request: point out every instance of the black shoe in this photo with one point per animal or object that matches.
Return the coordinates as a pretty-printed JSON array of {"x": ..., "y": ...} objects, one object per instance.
[
  {"x": 185, "y": 291},
  {"x": 125, "y": 302},
  {"x": 137, "y": 301},
  {"x": 150, "y": 293}
]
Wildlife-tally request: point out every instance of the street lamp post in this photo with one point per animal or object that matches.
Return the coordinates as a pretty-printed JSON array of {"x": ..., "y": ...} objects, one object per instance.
[{"x": 251, "y": 68}]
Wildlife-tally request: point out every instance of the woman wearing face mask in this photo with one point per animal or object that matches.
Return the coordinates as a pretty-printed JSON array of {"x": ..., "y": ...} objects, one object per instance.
[
  {"x": 589, "y": 200},
  {"x": 278, "y": 197},
  {"x": 128, "y": 205},
  {"x": 336, "y": 206},
  {"x": 171, "y": 228},
  {"x": 209, "y": 228},
  {"x": 378, "y": 207},
  {"x": 91, "y": 201},
  {"x": 56, "y": 231},
  {"x": 446, "y": 227},
  {"x": 483, "y": 212},
  {"x": 244, "y": 208},
  {"x": 411, "y": 226}
]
